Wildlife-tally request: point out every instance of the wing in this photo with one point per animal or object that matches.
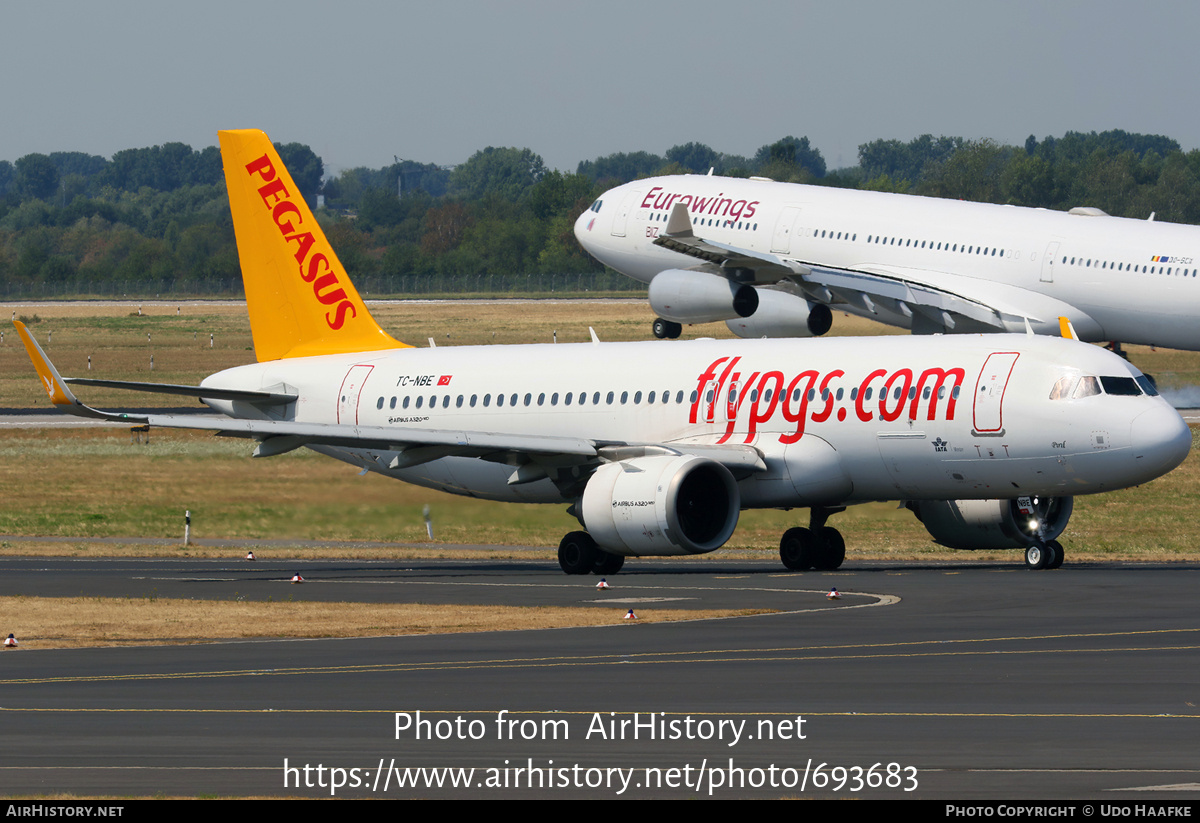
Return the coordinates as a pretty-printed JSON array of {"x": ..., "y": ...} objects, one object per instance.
[
  {"x": 924, "y": 300},
  {"x": 532, "y": 456}
]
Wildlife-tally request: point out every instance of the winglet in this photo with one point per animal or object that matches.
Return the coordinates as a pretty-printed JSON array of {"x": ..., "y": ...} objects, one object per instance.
[
  {"x": 300, "y": 299},
  {"x": 679, "y": 224},
  {"x": 1066, "y": 329},
  {"x": 52, "y": 382}
]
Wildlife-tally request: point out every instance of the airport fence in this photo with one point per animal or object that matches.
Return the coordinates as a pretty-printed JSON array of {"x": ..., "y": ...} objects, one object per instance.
[{"x": 396, "y": 285}]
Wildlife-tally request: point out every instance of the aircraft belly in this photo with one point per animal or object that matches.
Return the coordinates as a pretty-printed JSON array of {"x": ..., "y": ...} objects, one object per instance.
[
  {"x": 467, "y": 476},
  {"x": 805, "y": 473},
  {"x": 477, "y": 478}
]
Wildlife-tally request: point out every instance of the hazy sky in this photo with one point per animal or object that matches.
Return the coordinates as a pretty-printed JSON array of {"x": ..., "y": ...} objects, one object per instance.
[{"x": 362, "y": 81}]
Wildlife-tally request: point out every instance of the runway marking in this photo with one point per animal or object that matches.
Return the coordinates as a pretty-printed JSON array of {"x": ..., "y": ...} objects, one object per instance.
[
  {"x": 709, "y": 656},
  {"x": 1170, "y": 787},
  {"x": 623, "y": 600}
]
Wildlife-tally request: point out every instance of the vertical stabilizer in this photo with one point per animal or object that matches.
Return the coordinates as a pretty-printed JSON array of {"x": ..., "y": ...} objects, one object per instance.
[{"x": 300, "y": 300}]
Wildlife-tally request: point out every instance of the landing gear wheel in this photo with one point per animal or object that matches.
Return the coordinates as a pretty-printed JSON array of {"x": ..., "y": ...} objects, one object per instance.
[
  {"x": 798, "y": 549},
  {"x": 833, "y": 548},
  {"x": 607, "y": 562},
  {"x": 1037, "y": 556},
  {"x": 1059, "y": 554},
  {"x": 577, "y": 553},
  {"x": 665, "y": 329}
]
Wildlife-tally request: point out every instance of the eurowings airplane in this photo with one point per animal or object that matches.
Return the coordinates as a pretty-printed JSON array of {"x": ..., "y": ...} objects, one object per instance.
[
  {"x": 657, "y": 447},
  {"x": 773, "y": 259}
]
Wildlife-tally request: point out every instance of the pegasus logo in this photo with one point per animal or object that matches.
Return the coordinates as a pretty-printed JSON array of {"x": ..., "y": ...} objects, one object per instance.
[{"x": 314, "y": 268}]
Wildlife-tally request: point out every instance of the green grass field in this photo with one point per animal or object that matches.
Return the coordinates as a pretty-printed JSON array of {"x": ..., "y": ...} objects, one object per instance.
[{"x": 92, "y": 482}]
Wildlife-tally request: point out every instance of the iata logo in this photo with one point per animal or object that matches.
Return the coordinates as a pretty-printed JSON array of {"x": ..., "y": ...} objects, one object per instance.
[{"x": 315, "y": 269}]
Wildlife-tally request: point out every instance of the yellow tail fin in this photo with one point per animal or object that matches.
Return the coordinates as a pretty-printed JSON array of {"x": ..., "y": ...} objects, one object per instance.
[{"x": 300, "y": 300}]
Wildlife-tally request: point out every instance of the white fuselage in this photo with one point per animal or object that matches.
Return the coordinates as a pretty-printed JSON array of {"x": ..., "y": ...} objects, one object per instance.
[
  {"x": 836, "y": 420},
  {"x": 1135, "y": 281}
]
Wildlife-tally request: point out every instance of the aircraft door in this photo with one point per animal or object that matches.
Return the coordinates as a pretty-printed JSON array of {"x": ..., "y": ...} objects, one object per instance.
[
  {"x": 709, "y": 399},
  {"x": 1048, "y": 262},
  {"x": 621, "y": 218},
  {"x": 352, "y": 386},
  {"x": 781, "y": 241},
  {"x": 989, "y": 391},
  {"x": 731, "y": 401}
]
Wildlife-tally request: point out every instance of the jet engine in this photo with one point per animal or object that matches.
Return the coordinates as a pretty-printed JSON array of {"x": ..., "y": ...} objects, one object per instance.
[
  {"x": 783, "y": 315},
  {"x": 993, "y": 524},
  {"x": 661, "y": 505},
  {"x": 697, "y": 297}
]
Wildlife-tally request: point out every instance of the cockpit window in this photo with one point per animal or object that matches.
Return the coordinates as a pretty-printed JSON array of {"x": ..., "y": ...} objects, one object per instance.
[
  {"x": 1120, "y": 385},
  {"x": 1062, "y": 389},
  {"x": 1087, "y": 387},
  {"x": 1147, "y": 384},
  {"x": 596, "y": 206}
]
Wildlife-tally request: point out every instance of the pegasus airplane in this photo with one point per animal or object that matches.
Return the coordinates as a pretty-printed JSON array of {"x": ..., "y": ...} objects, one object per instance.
[
  {"x": 775, "y": 259},
  {"x": 657, "y": 447}
]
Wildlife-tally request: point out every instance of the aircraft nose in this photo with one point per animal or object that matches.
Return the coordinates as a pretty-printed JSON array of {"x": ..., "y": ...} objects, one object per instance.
[
  {"x": 1160, "y": 440},
  {"x": 584, "y": 226}
]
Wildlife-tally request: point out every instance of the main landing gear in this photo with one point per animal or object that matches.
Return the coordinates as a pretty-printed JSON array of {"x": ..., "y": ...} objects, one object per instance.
[
  {"x": 817, "y": 547},
  {"x": 665, "y": 329},
  {"x": 579, "y": 554},
  {"x": 1044, "y": 555}
]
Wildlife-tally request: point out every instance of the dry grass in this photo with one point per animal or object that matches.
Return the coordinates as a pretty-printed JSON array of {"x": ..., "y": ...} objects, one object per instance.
[{"x": 59, "y": 623}]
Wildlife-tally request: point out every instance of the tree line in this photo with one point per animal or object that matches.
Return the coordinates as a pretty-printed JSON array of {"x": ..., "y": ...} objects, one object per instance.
[{"x": 159, "y": 215}]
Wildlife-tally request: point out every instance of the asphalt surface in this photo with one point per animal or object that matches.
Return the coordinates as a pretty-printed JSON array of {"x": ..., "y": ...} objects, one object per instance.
[{"x": 976, "y": 681}]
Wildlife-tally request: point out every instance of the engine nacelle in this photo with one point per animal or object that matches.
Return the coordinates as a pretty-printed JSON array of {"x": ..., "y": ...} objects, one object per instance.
[
  {"x": 661, "y": 505},
  {"x": 993, "y": 524},
  {"x": 697, "y": 297},
  {"x": 783, "y": 315}
]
